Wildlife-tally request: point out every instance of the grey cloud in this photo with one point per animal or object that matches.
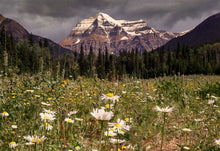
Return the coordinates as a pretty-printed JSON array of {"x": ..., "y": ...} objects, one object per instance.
[
  {"x": 55, "y": 18},
  {"x": 62, "y": 8},
  {"x": 172, "y": 10}
]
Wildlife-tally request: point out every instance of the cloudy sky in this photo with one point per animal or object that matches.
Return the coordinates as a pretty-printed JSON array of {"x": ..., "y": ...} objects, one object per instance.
[{"x": 54, "y": 19}]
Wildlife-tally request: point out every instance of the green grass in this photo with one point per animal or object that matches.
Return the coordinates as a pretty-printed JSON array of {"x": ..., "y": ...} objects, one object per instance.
[{"x": 189, "y": 95}]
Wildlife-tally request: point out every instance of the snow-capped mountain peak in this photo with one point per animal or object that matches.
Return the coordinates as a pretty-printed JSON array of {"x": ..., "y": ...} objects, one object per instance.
[
  {"x": 102, "y": 31},
  {"x": 102, "y": 17}
]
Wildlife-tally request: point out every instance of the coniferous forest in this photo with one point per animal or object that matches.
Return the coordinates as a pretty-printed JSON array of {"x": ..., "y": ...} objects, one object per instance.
[{"x": 30, "y": 57}]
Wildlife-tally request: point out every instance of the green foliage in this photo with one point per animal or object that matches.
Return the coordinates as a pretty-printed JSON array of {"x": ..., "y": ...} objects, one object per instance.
[
  {"x": 30, "y": 57},
  {"x": 23, "y": 97}
]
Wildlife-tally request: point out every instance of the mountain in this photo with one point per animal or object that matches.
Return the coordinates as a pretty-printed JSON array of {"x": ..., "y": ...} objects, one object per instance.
[
  {"x": 102, "y": 31},
  {"x": 207, "y": 31},
  {"x": 20, "y": 33}
]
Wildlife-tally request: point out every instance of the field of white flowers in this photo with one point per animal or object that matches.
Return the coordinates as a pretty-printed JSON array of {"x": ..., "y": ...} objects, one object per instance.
[{"x": 170, "y": 113}]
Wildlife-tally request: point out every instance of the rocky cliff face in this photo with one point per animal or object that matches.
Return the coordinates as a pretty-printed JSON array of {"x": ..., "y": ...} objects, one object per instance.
[{"x": 102, "y": 31}]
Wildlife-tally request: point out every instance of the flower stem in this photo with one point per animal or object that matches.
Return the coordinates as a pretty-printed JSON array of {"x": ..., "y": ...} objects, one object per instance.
[
  {"x": 100, "y": 140},
  {"x": 35, "y": 146},
  {"x": 44, "y": 143},
  {"x": 162, "y": 131}
]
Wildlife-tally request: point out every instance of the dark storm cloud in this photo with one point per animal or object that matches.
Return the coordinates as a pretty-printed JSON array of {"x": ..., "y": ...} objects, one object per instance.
[
  {"x": 55, "y": 18},
  {"x": 64, "y": 8}
]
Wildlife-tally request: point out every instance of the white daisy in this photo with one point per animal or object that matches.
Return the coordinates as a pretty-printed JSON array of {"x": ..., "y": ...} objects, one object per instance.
[
  {"x": 110, "y": 96},
  {"x": 211, "y": 101},
  {"x": 121, "y": 132},
  {"x": 186, "y": 130},
  {"x": 14, "y": 126},
  {"x": 47, "y": 117},
  {"x": 128, "y": 120},
  {"x": 198, "y": 120},
  {"x": 120, "y": 125},
  {"x": 46, "y": 104},
  {"x": 110, "y": 133},
  {"x": 47, "y": 126},
  {"x": 12, "y": 145},
  {"x": 49, "y": 111},
  {"x": 217, "y": 142},
  {"x": 78, "y": 119},
  {"x": 68, "y": 120},
  {"x": 71, "y": 113},
  {"x": 30, "y": 91},
  {"x": 35, "y": 139},
  {"x": 77, "y": 147},
  {"x": 165, "y": 110},
  {"x": 4, "y": 114},
  {"x": 213, "y": 97},
  {"x": 116, "y": 141},
  {"x": 102, "y": 115},
  {"x": 186, "y": 148}
]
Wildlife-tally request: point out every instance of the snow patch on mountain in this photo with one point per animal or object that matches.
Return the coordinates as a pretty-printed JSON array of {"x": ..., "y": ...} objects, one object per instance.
[
  {"x": 101, "y": 31},
  {"x": 124, "y": 38},
  {"x": 78, "y": 40}
]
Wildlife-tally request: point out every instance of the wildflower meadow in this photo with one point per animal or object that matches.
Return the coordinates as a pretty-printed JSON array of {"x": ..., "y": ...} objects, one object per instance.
[{"x": 39, "y": 113}]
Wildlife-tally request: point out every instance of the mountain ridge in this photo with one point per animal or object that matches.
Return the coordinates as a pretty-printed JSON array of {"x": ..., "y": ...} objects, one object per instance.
[
  {"x": 20, "y": 33},
  {"x": 102, "y": 31},
  {"x": 207, "y": 31}
]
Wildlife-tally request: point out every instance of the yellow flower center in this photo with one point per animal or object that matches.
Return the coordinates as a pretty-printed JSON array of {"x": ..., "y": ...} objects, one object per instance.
[
  {"x": 107, "y": 105},
  {"x": 120, "y": 131},
  {"x": 46, "y": 124},
  {"x": 4, "y": 112},
  {"x": 127, "y": 119},
  {"x": 77, "y": 147},
  {"x": 123, "y": 147},
  {"x": 112, "y": 129},
  {"x": 69, "y": 121},
  {"x": 110, "y": 95},
  {"x": 45, "y": 117},
  {"x": 117, "y": 125},
  {"x": 38, "y": 140},
  {"x": 110, "y": 134},
  {"x": 11, "y": 143}
]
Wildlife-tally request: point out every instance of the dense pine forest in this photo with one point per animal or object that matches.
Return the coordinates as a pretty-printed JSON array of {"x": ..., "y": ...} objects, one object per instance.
[{"x": 30, "y": 57}]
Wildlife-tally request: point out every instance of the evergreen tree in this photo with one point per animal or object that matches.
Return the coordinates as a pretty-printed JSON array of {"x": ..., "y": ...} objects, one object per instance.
[
  {"x": 107, "y": 62},
  {"x": 83, "y": 62},
  {"x": 40, "y": 43},
  {"x": 133, "y": 63},
  {"x": 91, "y": 57},
  {"x": 31, "y": 39},
  {"x": 46, "y": 44},
  {"x": 3, "y": 38},
  {"x": 112, "y": 67},
  {"x": 100, "y": 66}
]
